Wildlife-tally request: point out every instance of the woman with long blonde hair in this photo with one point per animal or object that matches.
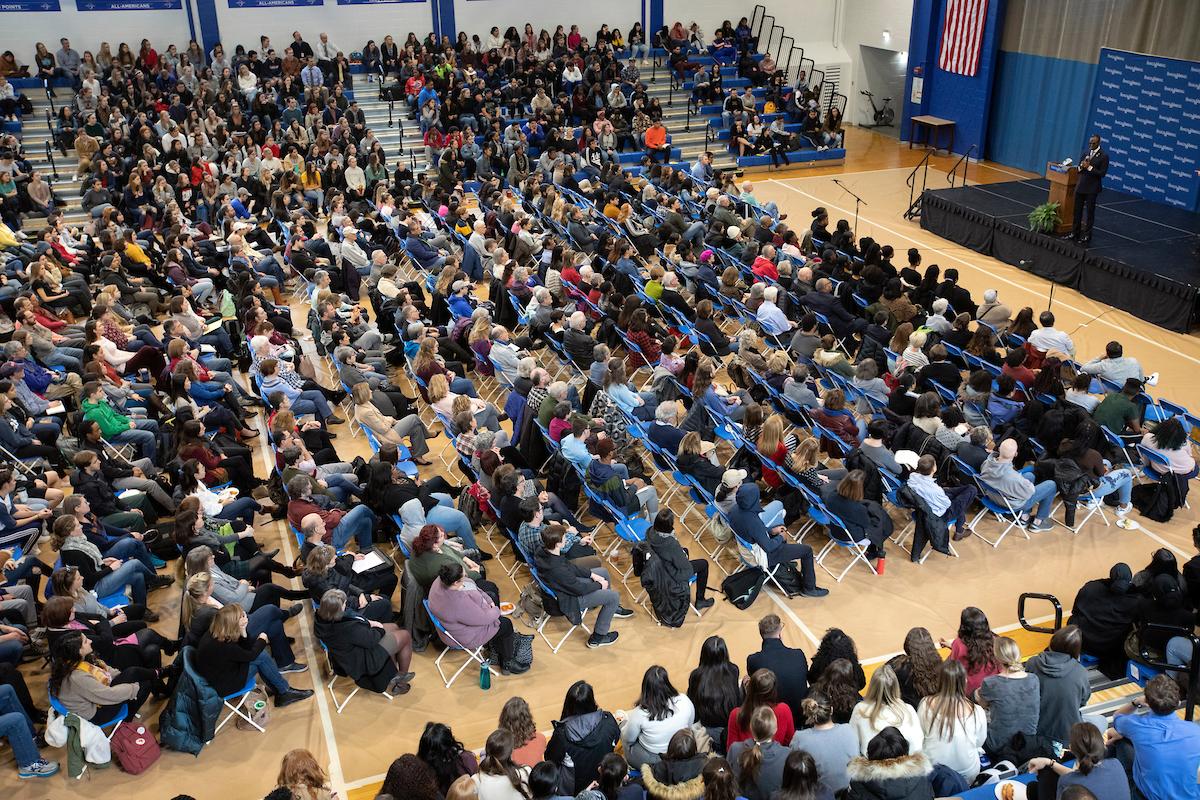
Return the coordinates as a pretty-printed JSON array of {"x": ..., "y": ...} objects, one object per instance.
[
  {"x": 774, "y": 443},
  {"x": 955, "y": 727},
  {"x": 444, "y": 401},
  {"x": 300, "y": 772},
  {"x": 883, "y": 707}
]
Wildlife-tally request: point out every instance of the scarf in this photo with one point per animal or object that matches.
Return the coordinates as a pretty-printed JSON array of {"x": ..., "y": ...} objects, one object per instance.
[
  {"x": 98, "y": 671},
  {"x": 84, "y": 546}
]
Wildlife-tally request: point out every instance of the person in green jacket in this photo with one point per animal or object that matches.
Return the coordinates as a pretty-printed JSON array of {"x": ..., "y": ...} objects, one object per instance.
[{"x": 115, "y": 426}]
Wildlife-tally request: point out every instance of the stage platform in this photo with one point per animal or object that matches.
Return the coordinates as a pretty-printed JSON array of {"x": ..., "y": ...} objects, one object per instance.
[{"x": 1142, "y": 259}]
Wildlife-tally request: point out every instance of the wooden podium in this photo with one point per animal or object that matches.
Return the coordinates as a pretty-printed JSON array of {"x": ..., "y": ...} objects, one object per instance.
[{"x": 1062, "y": 191}]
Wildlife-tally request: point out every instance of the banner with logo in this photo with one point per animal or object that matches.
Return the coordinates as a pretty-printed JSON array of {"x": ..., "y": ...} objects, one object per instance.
[
  {"x": 273, "y": 3},
  {"x": 1147, "y": 111},
  {"x": 128, "y": 5}
]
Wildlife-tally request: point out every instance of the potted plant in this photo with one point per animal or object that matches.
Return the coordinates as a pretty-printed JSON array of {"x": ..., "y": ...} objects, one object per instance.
[{"x": 1044, "y": 218}]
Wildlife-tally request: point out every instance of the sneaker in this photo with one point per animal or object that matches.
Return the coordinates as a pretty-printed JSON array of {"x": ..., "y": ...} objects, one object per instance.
[
  {"x": 38, "y": 769},
  {"x": 622, "y": 613},
  {"x": 397, "y": 686},
  {"x": 159, "y": 582},
  {"x": 295, "y": 666},
  {"x": 1040, "y": 526},
  {"x": 157, "y": 562},
  {"x": 815, "y": 591},
  {"x": 1124, "y": 510},
  {"x": 602, "y": 640},
  {"x": 1092, "y": 504},
  {"x": 292, "y": 696}
]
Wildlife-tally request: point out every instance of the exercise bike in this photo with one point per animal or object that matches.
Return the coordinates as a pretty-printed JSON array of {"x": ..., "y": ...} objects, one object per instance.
[{"x": 884, "y": 115}]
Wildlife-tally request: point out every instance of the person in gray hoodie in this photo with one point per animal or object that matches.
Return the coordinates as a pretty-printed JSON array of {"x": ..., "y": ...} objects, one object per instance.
[
  {"x": 1035, "y": 500},
  {"x": 1064, "y": 684}
]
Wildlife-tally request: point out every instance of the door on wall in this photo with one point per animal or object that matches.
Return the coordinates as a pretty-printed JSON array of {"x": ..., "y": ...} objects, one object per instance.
[{"x": 882, "y": 74}]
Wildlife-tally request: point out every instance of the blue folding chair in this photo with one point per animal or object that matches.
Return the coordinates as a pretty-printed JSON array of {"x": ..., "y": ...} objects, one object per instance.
[{"x": 474, "y": 655}]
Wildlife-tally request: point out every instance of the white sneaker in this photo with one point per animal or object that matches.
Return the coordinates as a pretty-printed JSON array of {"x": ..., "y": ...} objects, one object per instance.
[
  {"x": 1092, "y": 503},
  {"x": 1122, "y": 511}
]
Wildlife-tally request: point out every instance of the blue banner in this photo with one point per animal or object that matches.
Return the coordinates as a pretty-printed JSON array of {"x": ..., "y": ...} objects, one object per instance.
[
  {"x": 373, "y": 2},
  {"x": 128, "y": 5},
  {"x": 1147, "y": 111},
  {"x": 272, "y": 3},
  {"x": 29, "y": 5}
]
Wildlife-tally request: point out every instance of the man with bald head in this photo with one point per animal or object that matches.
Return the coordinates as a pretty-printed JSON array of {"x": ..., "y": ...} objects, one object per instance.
[{"x": 1035, "y": 501}]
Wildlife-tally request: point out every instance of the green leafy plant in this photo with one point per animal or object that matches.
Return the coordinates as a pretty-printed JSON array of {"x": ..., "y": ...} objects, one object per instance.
[{"x": 1044, "y": 218}]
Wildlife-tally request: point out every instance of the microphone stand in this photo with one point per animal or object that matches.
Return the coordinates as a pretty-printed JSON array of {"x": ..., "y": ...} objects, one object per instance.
[{"x": 857, "y": 202}]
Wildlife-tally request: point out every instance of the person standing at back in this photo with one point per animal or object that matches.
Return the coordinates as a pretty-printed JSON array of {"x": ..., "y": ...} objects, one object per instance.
[{"x": 789, "y": 664}]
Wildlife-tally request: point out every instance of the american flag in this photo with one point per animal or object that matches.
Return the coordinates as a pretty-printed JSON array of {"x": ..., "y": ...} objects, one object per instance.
[{"x": 962, "y": 36}]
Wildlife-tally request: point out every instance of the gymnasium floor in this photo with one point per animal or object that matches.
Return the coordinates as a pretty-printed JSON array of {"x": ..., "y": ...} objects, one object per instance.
[{"x": 359, "y": 744}]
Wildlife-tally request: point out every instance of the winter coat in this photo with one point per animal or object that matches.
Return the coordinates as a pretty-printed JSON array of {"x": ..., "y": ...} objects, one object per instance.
[
  {"x": 675, "y": 779},
  {"x": 354, "y": 648},
  {"x": 190, "y": 719},
  {"x": 665, "y": 578},
  {"x": 930, "y": 528},
  {"x": 578, "y": 744},
  {"x": 904, "y": 778}
]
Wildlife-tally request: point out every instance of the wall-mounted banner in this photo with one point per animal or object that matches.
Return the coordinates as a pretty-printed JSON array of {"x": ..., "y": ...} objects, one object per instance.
[
  {"x": 373, "y": 2},
  {"x": 272, "y": 3},
  {"x": 128, "y": 5},
  {"x": 29, "y": 5}
]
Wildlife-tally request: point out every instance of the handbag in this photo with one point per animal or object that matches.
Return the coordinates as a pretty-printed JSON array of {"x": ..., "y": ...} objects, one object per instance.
[
  {"x": 256, "y": 708},
  {"x": 134, "y": 747}
]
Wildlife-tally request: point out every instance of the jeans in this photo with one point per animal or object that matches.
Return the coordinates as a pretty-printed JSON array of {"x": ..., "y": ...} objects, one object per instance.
[
  {"x": 242, "y": 508},
  {"x": 11, "y": 651},
  {"x": 144, "y": 436},
  {"x": 464, "y": 386},
  {"x": 17, "y": 728},
  {"x": 1040, "y": 504},
  {"x": 1179, "y": 651},
  {"x": 343, "y": 487},
  {"x": 1119, "y": 481},
  {"x": 358, "y": 524},
  {"x": 694, "y": 233},
  {"x": 455, "y": 522},
  {"x": 269, "y": 619},
  {"x": 70, "y": 358},
  {"x": 128, "y": 548},
  {"x": 772, "y": 514},
  {"x": 311, "y": 401},
  {"x": 607, "y": 599},
  {"x": 220, "y": 340},
  {"x": 132, "y": 574},
  {"x": 265, "y": 667}
]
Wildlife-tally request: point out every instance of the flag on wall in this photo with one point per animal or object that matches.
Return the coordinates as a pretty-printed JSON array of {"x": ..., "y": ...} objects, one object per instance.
[{"x": 962, "y": 36}]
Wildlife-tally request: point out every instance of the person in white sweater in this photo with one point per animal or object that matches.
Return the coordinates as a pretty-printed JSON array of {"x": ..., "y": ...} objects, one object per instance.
[
  {"x": 661, "y": 711},
  {"x": 499, "y": 777},
  {"x": 955, "y": 726},
  {"x": 883, "y": 706}
]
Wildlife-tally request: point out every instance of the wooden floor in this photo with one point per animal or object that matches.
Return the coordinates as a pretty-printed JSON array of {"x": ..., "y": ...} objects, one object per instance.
[{"x": 359, "y": 744}]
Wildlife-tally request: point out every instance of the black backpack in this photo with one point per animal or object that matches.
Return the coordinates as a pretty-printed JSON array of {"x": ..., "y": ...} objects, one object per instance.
[{"x": 742, "y": 587}]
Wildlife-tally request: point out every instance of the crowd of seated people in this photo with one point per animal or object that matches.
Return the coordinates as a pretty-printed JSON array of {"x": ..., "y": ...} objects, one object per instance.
[{"x": 183, "y": 285}]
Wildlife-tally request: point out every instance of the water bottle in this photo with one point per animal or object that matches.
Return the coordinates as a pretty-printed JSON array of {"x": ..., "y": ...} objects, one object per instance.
[{"x": 485, "y": 674}]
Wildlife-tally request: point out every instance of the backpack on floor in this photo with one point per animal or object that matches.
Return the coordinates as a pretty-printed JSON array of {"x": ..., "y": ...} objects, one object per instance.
[
  {"x": 134, "y": 747},
  {"x": 742, "y": 587},
  {"x": 530, "y": 608}
]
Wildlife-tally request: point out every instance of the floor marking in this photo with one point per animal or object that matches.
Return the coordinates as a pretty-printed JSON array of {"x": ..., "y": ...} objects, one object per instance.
[
  {"x": 336, "y": 778},
  {"x": 1125, "y": 332}
]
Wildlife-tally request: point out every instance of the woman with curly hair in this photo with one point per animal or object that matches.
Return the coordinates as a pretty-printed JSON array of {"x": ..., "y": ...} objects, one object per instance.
[
  {"x": 917, "y": 667},
  {"x": 974, "y": 648},
  {"x": 300, "y": 772},
  {"x": 838, "y": 683},
  {"x": 836, "y": 644},
  {"x": 445, "y": 755},
  {"x": 409, "y": 777}
]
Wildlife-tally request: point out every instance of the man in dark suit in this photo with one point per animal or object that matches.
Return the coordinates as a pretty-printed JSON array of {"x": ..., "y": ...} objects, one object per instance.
[
  {"x": 1092, "y": 168},
  {"x": 789, "y": 664}
]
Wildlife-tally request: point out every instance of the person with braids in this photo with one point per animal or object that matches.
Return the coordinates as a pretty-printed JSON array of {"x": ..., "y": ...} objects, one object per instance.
[
  {"x": 955, "y": 727},
  {"x": 89, "y": 688},
  {"x": 974, "y": 647},
  {"x": 499, "y": 777},
  {"x": 758, "y": 761},
  {"x": 761, "y": 690},
  {"x": 410, "y": 778},
  {"x": 830, "y": 744},
  {"x": 444, "y": 754},
  {"x": 916, "y": 668}
]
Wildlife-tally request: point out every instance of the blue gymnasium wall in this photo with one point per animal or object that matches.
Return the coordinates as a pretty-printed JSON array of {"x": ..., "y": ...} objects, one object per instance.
[
  {"x": 1147, "y": 111},
  {"x": 966, "y": 100},
  {"x": 1038, "y": 113}
]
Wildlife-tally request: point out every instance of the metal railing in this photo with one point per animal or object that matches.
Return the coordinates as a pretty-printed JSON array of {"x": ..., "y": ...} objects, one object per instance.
[
  {"x": 49, "y": 95},
  {"x": 914, "y": 195},
  {"x": 391, "y": 109},
  {"x": 965, "y": 161},
  {"x": 1192, "y": 668},
  {"x": 1029, "y": 626},
  {"x": 50, "y": 158}
]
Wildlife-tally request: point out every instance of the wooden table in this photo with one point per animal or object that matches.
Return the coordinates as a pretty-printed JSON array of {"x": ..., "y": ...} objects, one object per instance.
[{"x": 932, "y": 126}]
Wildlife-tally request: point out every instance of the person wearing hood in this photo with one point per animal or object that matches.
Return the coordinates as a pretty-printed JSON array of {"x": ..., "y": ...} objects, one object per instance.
[
  {"x": 676, "y": 776},
  {"x": 612, "y": 482},
  {"x": 1104, "y": 611},
  {"x": 748, "y": 525},
  {"x": 665, "y": 546},
  {"x": 1065, "y": 687},
  {"x": 1165, "y": 606},
  {"x": 1035, "y": 500},
  {"x": 888, "y": 772},
  {"x": 582, "y": 737}
]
